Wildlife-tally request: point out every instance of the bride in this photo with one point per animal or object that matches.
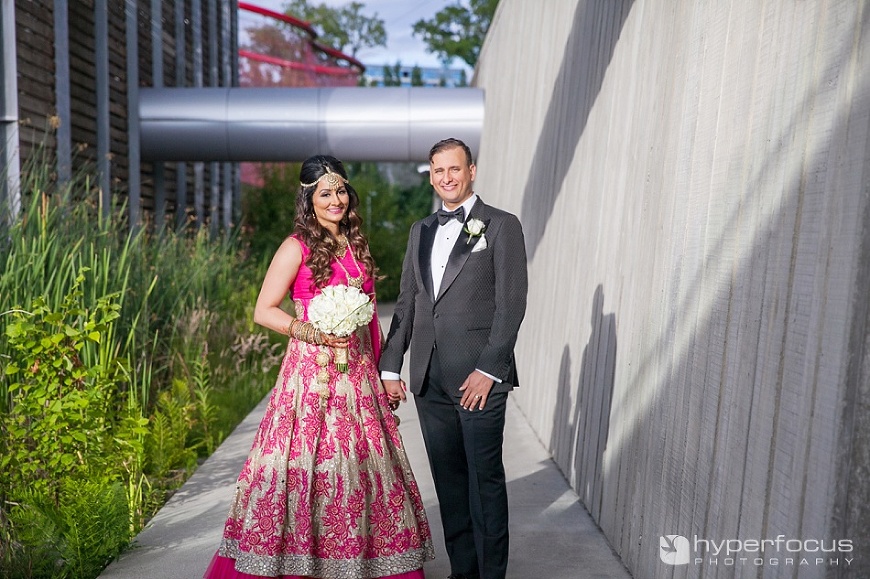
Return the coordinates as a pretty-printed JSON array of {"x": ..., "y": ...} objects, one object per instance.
[{"x": 327, "y": 490}]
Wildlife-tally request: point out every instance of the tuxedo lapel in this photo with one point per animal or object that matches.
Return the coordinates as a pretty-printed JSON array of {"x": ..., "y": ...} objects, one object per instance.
[
  {"x": 427, "y": 240},
  {"x": 461, "y": 250}
]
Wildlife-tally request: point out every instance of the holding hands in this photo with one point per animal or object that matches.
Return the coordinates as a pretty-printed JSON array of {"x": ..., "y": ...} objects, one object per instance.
[{"x": 395, "y": 392}]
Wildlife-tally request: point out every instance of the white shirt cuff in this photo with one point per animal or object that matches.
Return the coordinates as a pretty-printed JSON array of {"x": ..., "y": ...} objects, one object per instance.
[
  {"x": 394, "y": 376},
  {"x": 490, "y": 376}
]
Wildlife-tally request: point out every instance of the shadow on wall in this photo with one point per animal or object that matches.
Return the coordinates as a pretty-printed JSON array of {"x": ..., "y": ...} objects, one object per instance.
[
  {"x": 595, "y": 31},
  {"x": 686, "y": 460},
  {"x": 578, "y": 442}
]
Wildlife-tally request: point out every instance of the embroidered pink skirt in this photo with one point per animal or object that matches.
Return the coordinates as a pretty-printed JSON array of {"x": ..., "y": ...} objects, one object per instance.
[{"x": 327, "y": 490}]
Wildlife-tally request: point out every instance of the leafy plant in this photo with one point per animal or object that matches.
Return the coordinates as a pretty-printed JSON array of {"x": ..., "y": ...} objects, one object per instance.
[
  {"x": 59, "y": 405},
  {"x": 388, "y": 208},
  {"x": 61, "y": 469},
  {"x": 100, "y": 327},
  {"x": 173, "y": 419},
  {"x": 205, "y": 411},
  {"x": 75, "y": 537}
]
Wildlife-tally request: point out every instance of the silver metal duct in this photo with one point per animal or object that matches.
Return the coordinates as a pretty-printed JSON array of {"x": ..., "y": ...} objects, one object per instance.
[{"x": 291, "y": 124}]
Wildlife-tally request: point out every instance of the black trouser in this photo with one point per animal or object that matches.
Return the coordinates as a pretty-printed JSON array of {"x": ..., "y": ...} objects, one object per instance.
[{"x": 465, "y": 455}]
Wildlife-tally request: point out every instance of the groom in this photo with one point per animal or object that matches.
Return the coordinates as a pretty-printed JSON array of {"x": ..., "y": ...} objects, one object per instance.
[{"x": 461, "y": 301}]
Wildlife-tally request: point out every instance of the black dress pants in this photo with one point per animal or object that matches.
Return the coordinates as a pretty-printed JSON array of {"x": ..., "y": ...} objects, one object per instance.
[{"x": 465, "y": 455}]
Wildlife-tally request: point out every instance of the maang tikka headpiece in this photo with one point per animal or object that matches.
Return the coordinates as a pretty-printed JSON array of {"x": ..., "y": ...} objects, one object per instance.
[{"x": 334, "y": 180}]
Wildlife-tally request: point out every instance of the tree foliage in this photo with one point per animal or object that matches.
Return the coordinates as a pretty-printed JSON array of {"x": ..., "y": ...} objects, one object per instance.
[
  {"x": 393, "y": 75},
  {"x": 416, "y": 76},
  {"x": 269, "y": 210},
  {"x": 457, "y": 31},
  {"x": 347, "y": 28},
  {"x": 388, "y": 209}
]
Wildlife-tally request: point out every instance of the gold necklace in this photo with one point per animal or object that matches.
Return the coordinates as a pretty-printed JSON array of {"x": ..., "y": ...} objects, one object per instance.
[
  {"x": 353, "y": 281},
  {"x": 342, "y": 246}
]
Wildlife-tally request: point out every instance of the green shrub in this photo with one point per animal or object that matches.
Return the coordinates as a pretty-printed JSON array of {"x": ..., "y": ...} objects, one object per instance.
[
  {"x": 75, "y": 537},
  {"x": 63, "y": 415},
  {"x": 99, "y": 329}
]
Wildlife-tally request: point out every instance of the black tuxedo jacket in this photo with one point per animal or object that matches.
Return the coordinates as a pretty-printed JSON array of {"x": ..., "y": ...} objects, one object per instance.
[{"x": 474, "y": 319}]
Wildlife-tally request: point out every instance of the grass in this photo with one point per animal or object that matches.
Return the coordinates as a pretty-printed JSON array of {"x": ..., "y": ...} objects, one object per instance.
[{"x": 157, "y": 356}]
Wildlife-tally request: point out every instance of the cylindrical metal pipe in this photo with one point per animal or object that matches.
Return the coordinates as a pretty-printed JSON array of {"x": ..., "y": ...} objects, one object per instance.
[{"x": 291, "y": 124}]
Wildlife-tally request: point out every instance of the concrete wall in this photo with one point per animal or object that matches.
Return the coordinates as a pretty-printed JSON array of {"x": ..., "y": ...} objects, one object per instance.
[{"x": 694, "y": 182}]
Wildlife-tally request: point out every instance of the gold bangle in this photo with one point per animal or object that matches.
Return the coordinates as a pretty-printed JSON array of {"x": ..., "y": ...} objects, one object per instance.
[
  {"x": 305, "y": 332},
  {"x": 298, "y": 330}
]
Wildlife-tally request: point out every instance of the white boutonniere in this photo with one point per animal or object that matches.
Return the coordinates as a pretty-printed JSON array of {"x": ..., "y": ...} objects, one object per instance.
[{"x": 474, "y": 228}]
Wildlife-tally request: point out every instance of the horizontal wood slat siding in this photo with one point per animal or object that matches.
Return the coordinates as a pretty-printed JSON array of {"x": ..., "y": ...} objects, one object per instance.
[
  {"x": 34, "y": 36},
  {"x": 35, "y": 40}
]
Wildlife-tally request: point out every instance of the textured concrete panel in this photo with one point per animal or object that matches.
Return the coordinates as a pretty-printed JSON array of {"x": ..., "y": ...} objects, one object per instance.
[{"x": 693, "y": 180}]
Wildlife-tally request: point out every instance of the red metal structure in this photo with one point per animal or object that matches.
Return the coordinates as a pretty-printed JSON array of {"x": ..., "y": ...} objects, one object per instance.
[
  {"x": 283, "y": 51},
  {"x": 278, "y": 50}
]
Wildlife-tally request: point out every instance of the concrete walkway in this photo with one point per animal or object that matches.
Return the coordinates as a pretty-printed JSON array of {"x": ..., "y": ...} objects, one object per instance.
[{"x": 552, "y": 535}]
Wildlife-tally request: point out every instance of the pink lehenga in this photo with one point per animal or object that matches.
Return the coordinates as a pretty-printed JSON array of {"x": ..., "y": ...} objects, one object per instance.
[{"x": 327, "y": 490}]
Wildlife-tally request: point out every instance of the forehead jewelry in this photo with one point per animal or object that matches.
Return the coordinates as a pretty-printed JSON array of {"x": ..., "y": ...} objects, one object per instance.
[{"x": 333, "y": 180}]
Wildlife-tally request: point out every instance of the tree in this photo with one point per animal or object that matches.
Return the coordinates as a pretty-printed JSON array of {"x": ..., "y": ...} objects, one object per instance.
[
  {"x": 457, "y": 31},
  {"x": 416, "y": 76},
  {"x": 463, "y": 79},
  {"x": 388, "y": 77},
  {"x": 345, "y": 28},
  {"x": 393, "y": 74},
  {"x": 269, "y": 210}
]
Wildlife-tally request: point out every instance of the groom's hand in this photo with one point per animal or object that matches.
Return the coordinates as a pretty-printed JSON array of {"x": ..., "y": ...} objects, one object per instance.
[
  {"x": 395, "y": 391},
  {"x": 475, "y": 390}
]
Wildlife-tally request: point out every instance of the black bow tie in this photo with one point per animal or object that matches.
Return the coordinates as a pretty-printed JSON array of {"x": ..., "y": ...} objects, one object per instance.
[{"x": 445, "y": 216}]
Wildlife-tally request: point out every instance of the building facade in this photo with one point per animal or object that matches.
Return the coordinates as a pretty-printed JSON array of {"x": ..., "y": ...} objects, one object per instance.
[{"x": 71, "y": 75}]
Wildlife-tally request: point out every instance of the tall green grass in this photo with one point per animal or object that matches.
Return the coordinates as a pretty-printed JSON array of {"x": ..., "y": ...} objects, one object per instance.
[{"x": 125, "y": 358}]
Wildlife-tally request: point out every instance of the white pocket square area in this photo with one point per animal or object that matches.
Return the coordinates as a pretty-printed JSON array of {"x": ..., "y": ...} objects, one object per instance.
[{"x": 480, "y": 245}]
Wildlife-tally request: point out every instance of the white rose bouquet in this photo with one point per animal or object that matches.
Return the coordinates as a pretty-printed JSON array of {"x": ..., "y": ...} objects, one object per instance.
[{"x": 340, "y": 310}]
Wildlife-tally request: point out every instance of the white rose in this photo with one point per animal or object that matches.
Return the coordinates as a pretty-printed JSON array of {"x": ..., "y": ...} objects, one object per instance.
[
  {"x": 340, "y": 310},
  {"x": 475, "y": 227}
]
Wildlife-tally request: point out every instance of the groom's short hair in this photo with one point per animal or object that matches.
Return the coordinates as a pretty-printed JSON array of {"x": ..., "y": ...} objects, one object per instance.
[{"x": 450, "y": 143}]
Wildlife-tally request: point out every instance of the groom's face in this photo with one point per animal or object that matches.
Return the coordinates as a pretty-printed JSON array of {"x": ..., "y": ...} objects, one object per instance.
[{"x": 451, "y": 176}]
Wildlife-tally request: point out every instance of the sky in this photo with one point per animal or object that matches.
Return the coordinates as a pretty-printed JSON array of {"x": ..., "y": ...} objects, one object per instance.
[{"x": 399, "y": 17}]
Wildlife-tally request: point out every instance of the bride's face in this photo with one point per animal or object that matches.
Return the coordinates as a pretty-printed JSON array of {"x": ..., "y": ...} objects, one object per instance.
[{"x": 330, "y": 205}]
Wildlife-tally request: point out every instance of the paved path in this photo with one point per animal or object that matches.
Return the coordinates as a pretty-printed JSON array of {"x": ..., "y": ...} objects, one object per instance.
[{"x": 552, "y": 535}]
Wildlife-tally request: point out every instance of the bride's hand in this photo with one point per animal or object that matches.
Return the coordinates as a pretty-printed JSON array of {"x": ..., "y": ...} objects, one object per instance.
[{"x": 335, "y": 341}]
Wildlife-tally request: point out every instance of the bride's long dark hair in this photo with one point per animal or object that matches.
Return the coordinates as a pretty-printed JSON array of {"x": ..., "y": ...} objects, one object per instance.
[{"x": 319, "y": 240}]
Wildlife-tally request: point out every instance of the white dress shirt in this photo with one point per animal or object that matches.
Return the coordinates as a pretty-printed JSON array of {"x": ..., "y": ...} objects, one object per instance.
[{"x": 445, "y": 239}]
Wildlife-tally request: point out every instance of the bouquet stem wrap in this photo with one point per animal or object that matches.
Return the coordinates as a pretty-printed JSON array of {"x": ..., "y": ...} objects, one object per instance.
[{"x": 340, "y": 359}]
